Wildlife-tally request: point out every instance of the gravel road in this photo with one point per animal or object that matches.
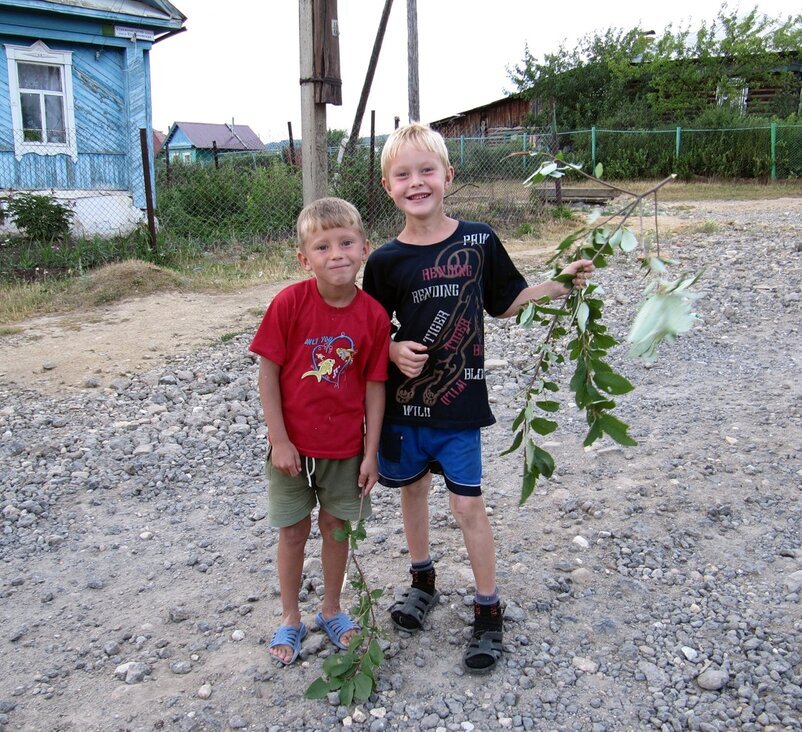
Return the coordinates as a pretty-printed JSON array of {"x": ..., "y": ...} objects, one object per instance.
[{"x": 652, "y": 588}]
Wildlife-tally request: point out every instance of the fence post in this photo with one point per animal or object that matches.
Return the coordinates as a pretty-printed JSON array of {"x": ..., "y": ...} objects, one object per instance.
[
  {"x": 143, "y": 144},
  {"x": 371, "y": 174},
  {"x": 676, "y": 142},
  {"x": 462, "y": 151},
  {"x": 292, "y": 144},
  {"x": 523, "y": 157},
  {"x": 214, "y": 154},
  {"x": 167, "y": 170},
  {"x": 593, "y": 148},
  {"x": 774, "y": 151}
]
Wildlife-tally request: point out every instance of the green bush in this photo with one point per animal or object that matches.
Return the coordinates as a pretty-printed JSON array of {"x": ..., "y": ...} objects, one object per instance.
[{"x": 40, "y": 217}]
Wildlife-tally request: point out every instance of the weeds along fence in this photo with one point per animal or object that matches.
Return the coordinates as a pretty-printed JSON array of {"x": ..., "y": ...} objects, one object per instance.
[
  {"x": 766, "y": 152},
  {"x": 257, "y": 196},
  {"x": 250, "y": 198}
]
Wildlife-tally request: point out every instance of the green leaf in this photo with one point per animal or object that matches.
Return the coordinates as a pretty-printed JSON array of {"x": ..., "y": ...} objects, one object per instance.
[
  {"x": 516, "y": 443},
  {"x": 360, "y": 532},
  {"x": 543, "y": 426},
  {"x": 338, "y": 664},
  {"x": 363, "y": 685},
  {"x": 551, "y": 386},
  {"x": 518, "y": 420},
  {"x": 341, "y": 534},
  {"x": 526, "y": 314},
  {"x": 612, "y": 382},
  {"x": 629, "y": 242},
  {"x": 318, "y": 689},
  {"x": 578, "y": 379},
  {"x": 528, "y": 485},
  {"x": 548, "y": 406},
  {"x": 598, "y": 171},
  {"x": 604, "y": 341},
  {"x": 543, "y": 460},
  {"x": 347, "y": 693},
  {"x": 616, "y": 429},
  {"x": 534, "y": 179},
  {"x": 567, "y": 242},
  {"x": 582, "y": 313},
  {"x": 376, "y": 594},
  {"x": 376, "y": 653},
  {"x": 594, "y": 433}
]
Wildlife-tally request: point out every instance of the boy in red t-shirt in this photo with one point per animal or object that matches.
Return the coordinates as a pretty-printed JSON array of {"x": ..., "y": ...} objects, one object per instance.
[{"x": 323, "y": 345}]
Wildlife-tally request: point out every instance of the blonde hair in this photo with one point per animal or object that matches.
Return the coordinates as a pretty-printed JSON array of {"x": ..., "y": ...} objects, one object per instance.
[
  {"x": 419, "y": 136},
  {"x": 328, "y": 213}
]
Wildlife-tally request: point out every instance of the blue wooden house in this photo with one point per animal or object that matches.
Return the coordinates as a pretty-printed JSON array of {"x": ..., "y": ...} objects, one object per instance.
[{"x": 74, "y": 95}]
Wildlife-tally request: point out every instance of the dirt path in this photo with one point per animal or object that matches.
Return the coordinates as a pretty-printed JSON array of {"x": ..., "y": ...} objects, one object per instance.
[{"x": 92, "y": 348}]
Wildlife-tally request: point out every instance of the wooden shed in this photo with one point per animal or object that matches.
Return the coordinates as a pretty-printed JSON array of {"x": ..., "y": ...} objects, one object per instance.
[{"x": 512, "y": 112}]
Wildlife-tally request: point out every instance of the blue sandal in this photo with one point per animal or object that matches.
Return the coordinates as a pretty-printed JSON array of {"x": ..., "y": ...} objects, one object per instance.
[
  {"x": 337, "y": 626},
  {"x": 286, "y": 635}
]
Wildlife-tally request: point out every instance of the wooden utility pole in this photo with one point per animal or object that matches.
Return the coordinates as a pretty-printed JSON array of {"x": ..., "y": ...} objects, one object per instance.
[
  {"x": 320, "y": 84},
  {"x": 412, "y": 60},
  {"x": 374, "y": 59}
]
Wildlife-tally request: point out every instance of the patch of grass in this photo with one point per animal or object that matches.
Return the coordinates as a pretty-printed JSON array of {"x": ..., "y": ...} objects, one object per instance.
[
  {"x": 719, "y": 190},
  {"x": 226, "y": 337},
  {"x": 561, "y": 213},
  {"x": 8, "y": 330},
  {"x": 706, "y": 227},
  {"x": 186, "y": 267},
  {"x": 526, "y": 229},
  {"x": 101, "y": 286}
]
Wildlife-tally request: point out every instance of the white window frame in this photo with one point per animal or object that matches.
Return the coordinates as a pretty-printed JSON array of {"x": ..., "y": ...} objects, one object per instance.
[{"x": 39, "y": 53}]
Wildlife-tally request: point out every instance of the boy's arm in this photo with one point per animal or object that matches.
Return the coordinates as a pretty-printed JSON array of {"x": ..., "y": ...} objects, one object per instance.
[
  {"x": 581, "y": 268},
  {"x": 374, "y": 413},
  {"x": 283, "y": 454}
]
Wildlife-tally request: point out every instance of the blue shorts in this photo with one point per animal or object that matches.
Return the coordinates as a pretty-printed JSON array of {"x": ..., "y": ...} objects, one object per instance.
[{"x": 407, "y": 453}]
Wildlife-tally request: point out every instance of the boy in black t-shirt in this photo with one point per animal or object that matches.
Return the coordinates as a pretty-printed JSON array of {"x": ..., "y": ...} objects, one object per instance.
[{"x": 437, "y": 278}]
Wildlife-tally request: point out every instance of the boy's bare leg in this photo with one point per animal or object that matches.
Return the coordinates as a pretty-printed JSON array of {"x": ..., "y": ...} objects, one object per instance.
[
  {"x": 334, "y": 557},
  {"x": 415, "y": 511},
  {"x": 471, "y": 516},
  {"x": 290, "y": 561}
]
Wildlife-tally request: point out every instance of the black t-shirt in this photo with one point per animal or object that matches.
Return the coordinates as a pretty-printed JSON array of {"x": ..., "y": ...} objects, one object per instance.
[{"x": 437, "y": 293}]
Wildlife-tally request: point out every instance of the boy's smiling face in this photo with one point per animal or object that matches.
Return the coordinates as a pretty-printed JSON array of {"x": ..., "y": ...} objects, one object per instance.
[
  {"x": 334, "y": 257},
  {"x": 417, "y": 182}
]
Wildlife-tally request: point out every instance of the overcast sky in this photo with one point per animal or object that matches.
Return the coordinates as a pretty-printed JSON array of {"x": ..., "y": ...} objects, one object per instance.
[{"x": 239, "y": 58}]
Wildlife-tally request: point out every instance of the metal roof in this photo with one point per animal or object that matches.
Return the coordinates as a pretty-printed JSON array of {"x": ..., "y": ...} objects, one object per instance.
[
  {"x": 227, "y": 136},
  {"x": 138, "y": 8}
]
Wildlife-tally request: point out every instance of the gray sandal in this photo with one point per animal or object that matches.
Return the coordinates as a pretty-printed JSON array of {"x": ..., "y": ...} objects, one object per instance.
[
  {"x": 410, "y": 611},
  {"x": 485, "y": 645}
]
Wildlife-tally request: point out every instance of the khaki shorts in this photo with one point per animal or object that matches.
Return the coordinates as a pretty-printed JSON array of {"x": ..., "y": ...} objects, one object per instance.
[{"x": 334, "y": 486}]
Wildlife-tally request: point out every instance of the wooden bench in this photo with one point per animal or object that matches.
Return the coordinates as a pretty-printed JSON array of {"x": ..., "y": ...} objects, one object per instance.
[{"x": 578, "y": 195}]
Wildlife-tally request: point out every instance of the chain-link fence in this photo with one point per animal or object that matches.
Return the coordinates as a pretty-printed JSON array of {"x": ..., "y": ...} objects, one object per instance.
[
  {"x": 254, "y": 197},
  {"x": 260, "y": 195},
  {"x": 91, "y": 174}
]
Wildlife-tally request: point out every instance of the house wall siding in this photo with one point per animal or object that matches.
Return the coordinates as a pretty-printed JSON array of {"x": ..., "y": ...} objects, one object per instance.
[{"x": 100, "y": 122}]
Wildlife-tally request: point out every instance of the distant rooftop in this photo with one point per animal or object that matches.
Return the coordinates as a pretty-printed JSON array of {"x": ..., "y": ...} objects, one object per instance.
[{"x": 227, "y": 136}]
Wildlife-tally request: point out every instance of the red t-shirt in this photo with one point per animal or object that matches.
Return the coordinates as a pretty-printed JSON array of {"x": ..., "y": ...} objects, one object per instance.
[{"x": 326, "y": 355}]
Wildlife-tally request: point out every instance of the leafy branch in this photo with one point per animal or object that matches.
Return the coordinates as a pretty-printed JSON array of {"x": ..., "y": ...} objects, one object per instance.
[
  {"x": 352, "y": 672},
  {"x": 663, "y": 315}
]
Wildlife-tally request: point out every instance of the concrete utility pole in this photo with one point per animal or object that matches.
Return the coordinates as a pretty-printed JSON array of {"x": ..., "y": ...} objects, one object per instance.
[{"x": 412, "y": 60}]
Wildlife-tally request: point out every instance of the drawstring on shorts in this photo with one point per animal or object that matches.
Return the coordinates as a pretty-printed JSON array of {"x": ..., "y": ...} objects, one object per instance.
[{"x": 309, "y": 473}]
